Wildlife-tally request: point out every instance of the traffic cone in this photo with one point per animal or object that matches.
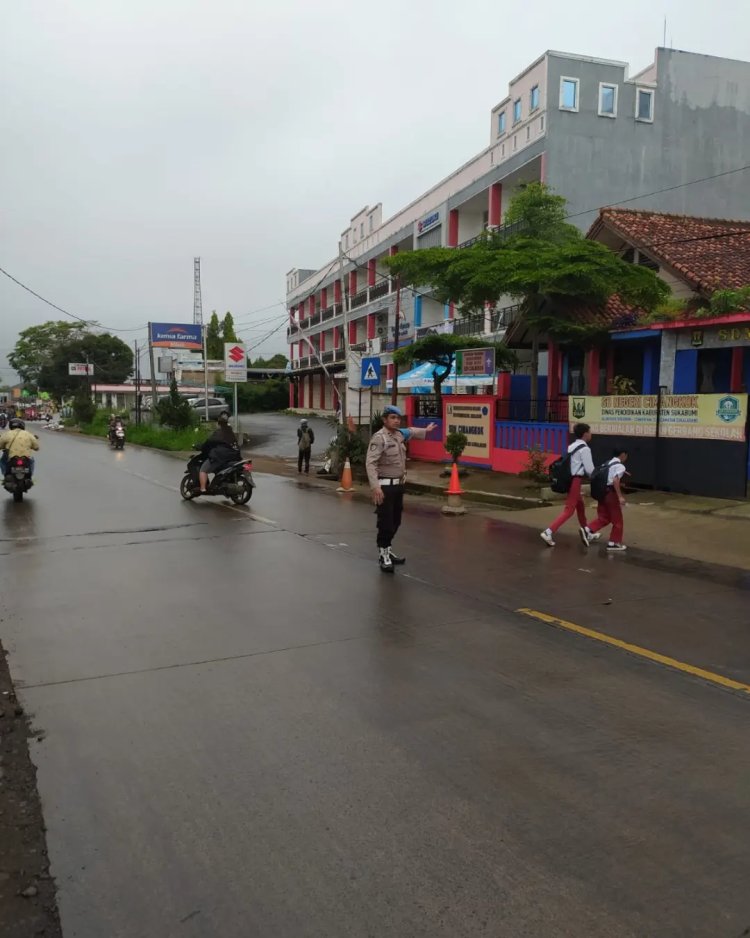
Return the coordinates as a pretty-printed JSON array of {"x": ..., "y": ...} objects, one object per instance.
[
  {"x": 454, "y": 493},
  {"x": 346, "y": 478}
]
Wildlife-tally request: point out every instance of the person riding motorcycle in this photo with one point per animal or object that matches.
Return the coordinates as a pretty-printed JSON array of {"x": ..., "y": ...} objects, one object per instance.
[
  {"x": 16, "y": 442},
  {"x": 219, "y": 450}
]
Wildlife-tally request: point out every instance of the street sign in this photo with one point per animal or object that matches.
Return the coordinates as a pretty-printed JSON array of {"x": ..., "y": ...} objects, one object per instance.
[
  {"x": 370, "y": 377},
  {"x": 235, "y": 362},
  {"x": 475, "y": 361},
  {"x": 80, "y": 368}
]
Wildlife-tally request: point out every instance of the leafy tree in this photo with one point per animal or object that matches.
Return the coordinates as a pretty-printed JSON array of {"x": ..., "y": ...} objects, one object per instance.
[
  {"x": 275, "y": 361},
  {"x": 227, "y": 329},
  {"x": 84, "y": 409},
  {"x": 455, "y": 444},
  {"x": 214, "y": 341},
  {"x": 174, "y": 410},
  {"x": 440, "y": 350},
  {"x": 111, "y": 357},
  {"x": 545, "y": 264},
  {"x": 36, "y": 347}
]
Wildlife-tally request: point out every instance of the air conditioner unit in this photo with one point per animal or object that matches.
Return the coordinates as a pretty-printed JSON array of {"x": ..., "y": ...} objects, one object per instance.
[{"x": 381, "y": 330}]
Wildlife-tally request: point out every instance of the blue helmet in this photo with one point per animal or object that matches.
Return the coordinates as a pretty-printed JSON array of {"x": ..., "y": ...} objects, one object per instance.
[{"x": 392, "y": 409}]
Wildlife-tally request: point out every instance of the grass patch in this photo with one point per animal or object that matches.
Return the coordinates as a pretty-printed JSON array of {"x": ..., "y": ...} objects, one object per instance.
[{"x": 148, "y": 434}]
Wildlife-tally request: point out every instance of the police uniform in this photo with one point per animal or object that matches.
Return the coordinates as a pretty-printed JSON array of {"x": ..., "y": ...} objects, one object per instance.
[{"x": 386, "y": 469}]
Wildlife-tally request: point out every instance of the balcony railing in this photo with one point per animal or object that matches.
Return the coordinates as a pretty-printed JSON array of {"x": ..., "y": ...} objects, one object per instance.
[
  {"x": 328, "y": 313},
  {"x": 327, "y": 357},
  {"x": 359, "y": 299},
  {"x": 380, "y": 289},
  {"x": 501, "y": 231}
]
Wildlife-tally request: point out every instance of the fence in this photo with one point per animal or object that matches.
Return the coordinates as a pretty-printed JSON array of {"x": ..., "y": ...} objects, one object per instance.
[{"x": 533, "y": 410}]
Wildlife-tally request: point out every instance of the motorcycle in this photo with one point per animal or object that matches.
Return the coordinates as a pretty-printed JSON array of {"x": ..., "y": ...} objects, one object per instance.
[
  {"x": 17, "y": 479},
  {"x": 117, "y": 437},
  {"x": 234, "y": 481}
]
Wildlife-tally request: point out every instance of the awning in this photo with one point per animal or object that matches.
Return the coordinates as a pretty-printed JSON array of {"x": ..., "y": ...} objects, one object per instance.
[{"x": 420, "y": 381}]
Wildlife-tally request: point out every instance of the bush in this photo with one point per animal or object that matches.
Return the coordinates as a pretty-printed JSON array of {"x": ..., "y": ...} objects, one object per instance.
[
  {"x": 535, "y": 468},
  {"x": 270, "y": 395},
  {"x": 174, "y": 411},
  {"x": 455, "y": 444},
  {"x": 84, "y": 409}
]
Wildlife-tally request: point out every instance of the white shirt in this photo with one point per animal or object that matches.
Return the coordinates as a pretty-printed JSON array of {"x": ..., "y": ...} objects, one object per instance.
[
  {"x": 581, "y": 462},
  {"x": 616, "y": 470}
]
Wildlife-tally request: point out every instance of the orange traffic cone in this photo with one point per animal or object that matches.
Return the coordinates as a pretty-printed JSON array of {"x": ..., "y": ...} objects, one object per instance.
[
  {"x": 346, "y": 478},
  {"x": 454, "y": 493}
]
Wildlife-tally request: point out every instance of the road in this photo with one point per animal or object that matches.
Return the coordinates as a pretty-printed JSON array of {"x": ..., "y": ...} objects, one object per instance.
[
  {"x": 276, "y": 434},
  {"x": 248, "y": 730}
]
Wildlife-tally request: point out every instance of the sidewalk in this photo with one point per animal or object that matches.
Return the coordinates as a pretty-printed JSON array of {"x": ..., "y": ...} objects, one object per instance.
[{"x": 711, "y": 530}]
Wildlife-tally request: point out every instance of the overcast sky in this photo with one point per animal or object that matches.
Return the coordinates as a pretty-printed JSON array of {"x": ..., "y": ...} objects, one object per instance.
[{"x": 137, "y": 134}]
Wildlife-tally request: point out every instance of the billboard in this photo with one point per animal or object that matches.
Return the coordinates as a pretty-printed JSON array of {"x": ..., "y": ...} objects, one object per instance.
[
  {"x": 682, "y": 416},
  {"x": 478, "y": 362},
  {"x": 235, "y": 362},
  {"x": 80, "y": 368},
  {"x": 177, "y": 335}
]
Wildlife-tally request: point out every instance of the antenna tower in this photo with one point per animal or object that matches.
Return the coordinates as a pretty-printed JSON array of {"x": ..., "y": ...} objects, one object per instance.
[{"x": 197, "y": 301}]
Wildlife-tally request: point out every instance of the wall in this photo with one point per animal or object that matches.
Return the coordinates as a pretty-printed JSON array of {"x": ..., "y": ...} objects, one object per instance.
[{"x": 701, "y": 127}]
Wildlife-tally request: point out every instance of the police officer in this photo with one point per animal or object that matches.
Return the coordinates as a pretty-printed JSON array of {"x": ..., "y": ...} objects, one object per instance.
[{"x": 386, "y": 473}]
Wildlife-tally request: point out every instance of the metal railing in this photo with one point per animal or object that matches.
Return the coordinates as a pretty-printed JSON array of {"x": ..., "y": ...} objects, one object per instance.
[
  {"x": 359, "y": 299},
  {"x": 500, "y": 231},
  {"x": 327, "y": 313},
  {"x": 380, "y": 289},
  {"x": 553, "y": 410}
]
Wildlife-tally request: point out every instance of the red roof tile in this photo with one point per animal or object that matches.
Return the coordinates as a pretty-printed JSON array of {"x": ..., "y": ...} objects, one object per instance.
[{"x": 708, "y": 253}]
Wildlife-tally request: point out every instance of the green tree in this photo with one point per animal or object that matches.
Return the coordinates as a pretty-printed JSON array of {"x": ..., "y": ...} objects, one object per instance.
[
  {"x": 84, "y": 409},
  {"x": 227, "y": 330},
  {"x": 111, "y": 357},
  {"x": 214, "y": 341},
  {"x": 275, "y": 361},
  {"x": 440, "y": 350},
  {"x": 36, "y": 347},
  {"x": 174, "y": 411},
  {"x": 545, "y": 264}
]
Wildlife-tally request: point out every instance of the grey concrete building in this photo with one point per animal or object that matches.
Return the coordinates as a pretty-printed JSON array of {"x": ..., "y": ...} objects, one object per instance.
[{"x": 674, "y": 137}]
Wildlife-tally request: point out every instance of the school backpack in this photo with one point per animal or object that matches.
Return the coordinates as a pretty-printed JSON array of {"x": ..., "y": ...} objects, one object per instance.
[
  {"x": 304, "y": 440},
  {"x": 599, "y": 482},
  {"x": 560, "y": 476}
]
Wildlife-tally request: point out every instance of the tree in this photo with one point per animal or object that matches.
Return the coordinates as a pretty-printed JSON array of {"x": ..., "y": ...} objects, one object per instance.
[
  {"x": 175, "y": 411},
  {"x": 111, "y": 357},
  {"x": 440, "y": 350},
  {"x": 227, "y": 329},
  {"x": 545, "y": 264},
  {"x": 214, "y": 341},
  {"x": 36, "y": 347},
  {"x": 275, "y": 361}
]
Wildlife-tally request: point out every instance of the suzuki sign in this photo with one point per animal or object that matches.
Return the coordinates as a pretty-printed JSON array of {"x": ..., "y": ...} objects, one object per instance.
[{"x": 235, "y": 362}]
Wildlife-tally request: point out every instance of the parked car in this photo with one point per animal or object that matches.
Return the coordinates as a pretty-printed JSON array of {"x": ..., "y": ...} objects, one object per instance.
[{"x": 216, "y": 406}]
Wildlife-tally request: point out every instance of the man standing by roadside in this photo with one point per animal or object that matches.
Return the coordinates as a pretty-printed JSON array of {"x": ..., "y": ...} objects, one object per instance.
[
  {"x": 581, "y": 465},
  {"x": 386, "y": 473},
  {"x": 305, "y": 440}
]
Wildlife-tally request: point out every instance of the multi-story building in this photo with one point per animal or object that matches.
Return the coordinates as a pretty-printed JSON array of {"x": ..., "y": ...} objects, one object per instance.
[{"x": 671, "y": 138}]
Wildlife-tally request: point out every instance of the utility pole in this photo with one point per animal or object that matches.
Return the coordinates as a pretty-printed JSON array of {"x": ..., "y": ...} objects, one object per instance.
[
  {"x": 344, "y": 304},
  {"x": 137, "y": 384},
  {"x": 397, "y": 330},
  {"x": 153, "y": 373}
]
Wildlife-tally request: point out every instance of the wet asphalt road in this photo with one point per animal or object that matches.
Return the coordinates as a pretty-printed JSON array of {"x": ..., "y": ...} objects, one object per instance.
[
  {"x": 250, "y": 731},
  {"x": 276, "y": 434}
]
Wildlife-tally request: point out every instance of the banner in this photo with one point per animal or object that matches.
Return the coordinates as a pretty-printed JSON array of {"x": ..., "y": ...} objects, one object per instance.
[
  {"x": 473, "y": 419},
  {"x": 682, "y": 416},
  {"x": 177, "y": 335}
]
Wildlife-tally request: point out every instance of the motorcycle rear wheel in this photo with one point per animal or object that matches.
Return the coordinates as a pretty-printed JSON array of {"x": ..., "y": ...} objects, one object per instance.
[
  {"x": 186, "y": 488},
  {"x": 243, "y": 497},
  {"x": 18, "y": 495}
]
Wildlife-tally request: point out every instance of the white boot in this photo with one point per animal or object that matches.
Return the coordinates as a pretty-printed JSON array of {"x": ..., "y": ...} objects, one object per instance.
[{"x": 386, "y": 564}]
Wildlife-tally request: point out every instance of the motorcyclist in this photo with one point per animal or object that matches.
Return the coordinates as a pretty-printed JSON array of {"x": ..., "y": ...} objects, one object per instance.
[
  {"x": 16, "y": 442},
  {"x": 111, "y": 427},
  {"x": 219, "y": 450}
]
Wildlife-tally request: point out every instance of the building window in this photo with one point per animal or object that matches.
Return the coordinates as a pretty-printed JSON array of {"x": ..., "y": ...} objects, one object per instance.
[
  {"x": 371, "y": 222},
  {"x": 528, "y": 132},
  {"x": 534, "y": 98},
  {"x": 501, "y": 123},
  {"x": 502, "y": 150},
  {"x": 569, "y": 94},
  {"x": 607, "y": 100},
  {"x": 346, "y": 240},
  {"x": 516, "y": 110},
  {"x": 515, "y": 141},
  {"x": 541, "y": 124},
  {"x": 644, "y": 105},
  {"x": 362, "y": 230}
]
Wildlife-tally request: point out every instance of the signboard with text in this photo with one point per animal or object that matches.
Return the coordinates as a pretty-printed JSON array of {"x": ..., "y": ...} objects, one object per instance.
[
  {"x": 475, "y": 420},
  {"x": 475, "y": 361},
  {"x": 682, "y": 416},
  {"x": 235, "y": 362},
  {"x": 80, "y": 368},
  {"x": 177, "y": 335}
]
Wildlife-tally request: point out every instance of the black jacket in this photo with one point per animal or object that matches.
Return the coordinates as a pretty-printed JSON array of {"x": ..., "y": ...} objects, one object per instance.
[{"x": 221, "y": 448}]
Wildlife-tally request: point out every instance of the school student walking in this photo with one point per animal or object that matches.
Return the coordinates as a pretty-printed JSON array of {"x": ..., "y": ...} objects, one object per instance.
[
  {"x": 605, "y": 488},
  {"x": 574, "y": 468}
]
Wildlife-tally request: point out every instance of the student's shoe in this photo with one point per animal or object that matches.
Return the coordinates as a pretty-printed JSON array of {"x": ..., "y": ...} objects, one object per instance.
[
  {"x": 616, "y": 548},
  {"x": 594, "y": 537},
  {"x": 586, "y": 536},
  {"x": 386, "y": 564},
  {"x": 546, "y": 536},
  {"x": 395, "y": 559}
]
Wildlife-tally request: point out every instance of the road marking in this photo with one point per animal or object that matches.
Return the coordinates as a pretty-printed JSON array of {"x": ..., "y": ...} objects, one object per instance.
[{"x": 683, "y": 666}]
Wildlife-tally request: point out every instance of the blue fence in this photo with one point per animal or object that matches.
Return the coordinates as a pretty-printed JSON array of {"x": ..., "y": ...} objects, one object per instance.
[{"x": 550, "y": 437}]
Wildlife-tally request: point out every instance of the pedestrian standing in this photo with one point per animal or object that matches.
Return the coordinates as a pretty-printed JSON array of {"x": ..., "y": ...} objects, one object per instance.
[
  {"x": 386, "y": 473},
  {"x": 581, "y": 465},
  {"x": 610, "y": 500},
  {"x": 305, "y": 440}
]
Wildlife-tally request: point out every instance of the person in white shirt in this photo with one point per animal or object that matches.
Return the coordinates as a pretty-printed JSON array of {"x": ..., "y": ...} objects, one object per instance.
[
  {"x": 610, "y": 507},
  {"x": 581, "y": 466}
]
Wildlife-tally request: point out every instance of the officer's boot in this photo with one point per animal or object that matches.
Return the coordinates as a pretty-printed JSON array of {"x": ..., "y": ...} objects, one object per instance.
[
  {"x": 395, "y": 559},
  {"x": 386, "y": 564}
]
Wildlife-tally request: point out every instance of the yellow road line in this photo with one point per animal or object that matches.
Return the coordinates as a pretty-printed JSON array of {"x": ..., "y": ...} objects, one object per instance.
[{"x": 683, "y": 666}]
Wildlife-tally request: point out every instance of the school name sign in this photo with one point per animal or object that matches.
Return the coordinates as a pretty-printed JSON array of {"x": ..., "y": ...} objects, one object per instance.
[{"x": 681, "y": 416}]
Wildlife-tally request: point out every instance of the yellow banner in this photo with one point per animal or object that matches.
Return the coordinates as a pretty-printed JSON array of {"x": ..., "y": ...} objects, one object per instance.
[
  {"x": 475, "y": 420},
  {"x": 682, "y": 416}
]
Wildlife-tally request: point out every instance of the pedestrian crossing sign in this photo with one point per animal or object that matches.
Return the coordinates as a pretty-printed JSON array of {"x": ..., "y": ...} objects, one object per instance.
[{"x": 370, "y": 372}]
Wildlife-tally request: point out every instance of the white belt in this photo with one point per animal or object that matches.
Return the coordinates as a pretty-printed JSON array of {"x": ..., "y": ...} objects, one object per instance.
[{"x": 399, "y": 481}]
